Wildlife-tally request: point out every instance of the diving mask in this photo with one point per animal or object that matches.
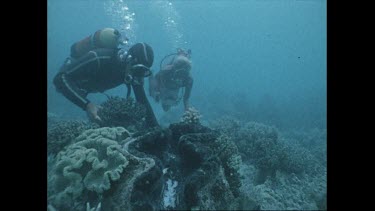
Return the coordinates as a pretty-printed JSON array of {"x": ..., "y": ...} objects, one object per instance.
[{"x": 140, "y": 70}]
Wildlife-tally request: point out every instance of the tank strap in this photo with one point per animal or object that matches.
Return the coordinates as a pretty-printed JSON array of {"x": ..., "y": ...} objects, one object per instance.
[
  {"x": 90, "y": 60},
  {"x": 96, "y": 57}
]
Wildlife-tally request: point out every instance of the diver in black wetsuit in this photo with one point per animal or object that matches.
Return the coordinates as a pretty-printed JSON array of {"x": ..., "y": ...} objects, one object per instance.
[{"x": 105, "y": 67}]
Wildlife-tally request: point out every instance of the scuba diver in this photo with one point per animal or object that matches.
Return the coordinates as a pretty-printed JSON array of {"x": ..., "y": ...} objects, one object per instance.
[
  {"x": 173, "y": 78},
  {"x": 98, "y": 63}
]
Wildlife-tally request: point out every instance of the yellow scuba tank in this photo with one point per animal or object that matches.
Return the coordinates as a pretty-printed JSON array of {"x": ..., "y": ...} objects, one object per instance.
[{"x": 104, "y": 38}]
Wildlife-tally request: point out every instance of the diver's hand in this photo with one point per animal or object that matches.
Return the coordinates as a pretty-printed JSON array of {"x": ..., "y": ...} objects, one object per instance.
[{"x": 92, "y": 112}]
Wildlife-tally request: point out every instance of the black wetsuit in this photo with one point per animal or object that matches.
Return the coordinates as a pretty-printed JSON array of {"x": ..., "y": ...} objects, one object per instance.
[{"x": 97, "y": 71}]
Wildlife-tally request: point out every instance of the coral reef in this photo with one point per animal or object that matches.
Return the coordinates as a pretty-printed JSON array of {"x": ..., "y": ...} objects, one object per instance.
[
  {"x": 190, "y": 167},
  {"x": 231, "y": 160},
  {"x": 204, "y": 163},
  {"x": 226, "y": 124},
  {"x": 139, "y": 188},
  {"x": 191, "y": 116},
  {"x": 262, "y": 146},
  {"x": 286, "y": 191},
  {"x": 313, "y": 140},
  {"x": 296, "y": 159},
  {"x": 280, "y": 170},
  {"x": 51, "y": 119},
  {"x": 253, "y": 131},
  {"x": 187, "y": 166},
  {"x": 258, "y": 145},
  {"x": 121, "y": 112},
  {"x": 270, "y": 152},
  {"x": 62, "y": 133},
  {"x": 118, "y": 134},
  {"x": 89, "y": 166}
]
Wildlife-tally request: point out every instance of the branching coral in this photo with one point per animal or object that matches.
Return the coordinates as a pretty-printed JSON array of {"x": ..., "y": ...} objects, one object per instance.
[
  {"x": 314, "y": 140},
  {"x": 231, "y": 161},
  {"x": 63, "y": 133},
  {"x": 226, "y": 125},
  {"x": 255, "y": 131},
  {"x": 261, "y": 146},
  {"x": 191, "y": 116},
  {"x": 289, "y": 192},
  {"x": 258, "y": 143},
  {"x": 120, "y": 112}
]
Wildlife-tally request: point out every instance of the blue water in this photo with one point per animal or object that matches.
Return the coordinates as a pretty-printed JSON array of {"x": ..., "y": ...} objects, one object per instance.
[{"x": 261, "y": 60}]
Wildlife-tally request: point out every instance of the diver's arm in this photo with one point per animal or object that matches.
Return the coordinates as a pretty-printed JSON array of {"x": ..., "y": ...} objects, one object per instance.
[
  {"x": 188, "y": 88},
  {"x": 140, "y": 97},
  {"x": 65, "y": 85}
]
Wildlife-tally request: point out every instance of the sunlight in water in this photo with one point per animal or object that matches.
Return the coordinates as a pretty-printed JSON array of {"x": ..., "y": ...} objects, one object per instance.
[
  {"x": 171, "y": 19},
  {"x": 123, "y": 18}
]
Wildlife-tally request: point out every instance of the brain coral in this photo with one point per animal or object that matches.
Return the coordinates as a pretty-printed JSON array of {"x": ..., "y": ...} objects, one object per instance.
[{"x": 90, "y": 164}]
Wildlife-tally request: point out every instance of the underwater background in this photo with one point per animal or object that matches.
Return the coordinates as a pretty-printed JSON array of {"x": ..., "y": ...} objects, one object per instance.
[{"x": 256, "y": 139}]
